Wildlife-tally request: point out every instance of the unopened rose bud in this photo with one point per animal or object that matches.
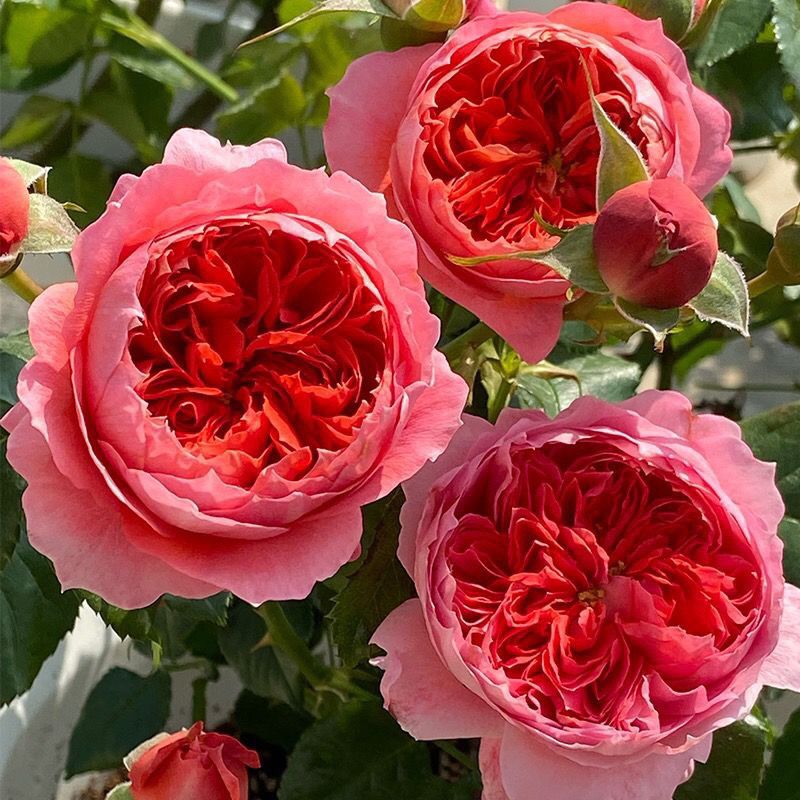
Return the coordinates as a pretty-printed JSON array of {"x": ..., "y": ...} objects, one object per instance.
[
  {"x": 655, "y": 243},
  {"x": 783, "y": 265},
  {"x": 14, "y": 208},
  {"x": 439, "y": 15}
]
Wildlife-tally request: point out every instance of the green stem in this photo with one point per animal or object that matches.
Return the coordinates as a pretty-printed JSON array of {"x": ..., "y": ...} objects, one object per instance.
[
  {"x": 666, "y": 365},
  {"x": 199, "y": 699},
  {"x": 583, "y": 307},
  {"x": 761, "y": 283},
  {"x": 456, "y": 754},
  {"x": 476, "y": 335},
  {"x": 284, "y": 636},
  {"x": 500, "y": 399},
  {"x": 22, "y": 284}
]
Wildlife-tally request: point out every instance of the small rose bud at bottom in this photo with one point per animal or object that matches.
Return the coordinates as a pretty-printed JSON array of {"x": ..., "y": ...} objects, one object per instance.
[
  {"x": 14, "y": 208},
  {"x": 655, "y": 243}
]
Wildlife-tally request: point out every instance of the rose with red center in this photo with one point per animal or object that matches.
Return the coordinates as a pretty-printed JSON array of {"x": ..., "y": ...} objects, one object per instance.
[
  {"x": 597, "y": 594},
  {"x": 246, "y": 359},
  {"x": 191, "y": 765},
  {"x": 480, "y": 140}
]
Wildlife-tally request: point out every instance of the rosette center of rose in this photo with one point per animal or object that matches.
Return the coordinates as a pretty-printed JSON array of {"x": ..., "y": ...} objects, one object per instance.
[
  {"x": 258, "y": 346},
  {"x": 510, "y": 133},
  {"x": 602, "y": 586}
]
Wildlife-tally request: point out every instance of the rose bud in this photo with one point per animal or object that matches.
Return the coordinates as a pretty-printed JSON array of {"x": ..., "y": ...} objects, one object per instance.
[
  {"x": 598, "y": 593},
  {"x": 15, "y": 203},
  {"x": 435, "y": 15},
  {"x": 193, "y": 765},
  {"x": 655, "y": 243}
]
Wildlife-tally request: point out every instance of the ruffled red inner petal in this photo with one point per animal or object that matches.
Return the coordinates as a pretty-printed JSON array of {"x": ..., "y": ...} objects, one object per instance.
[
  {"x": 590, "y": 573},
  {"x": 510, "y": 134},
  {"x": 258, "y": 347}
]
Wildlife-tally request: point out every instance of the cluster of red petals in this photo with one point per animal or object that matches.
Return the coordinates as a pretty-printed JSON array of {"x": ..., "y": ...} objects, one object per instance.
[
  {"x": 193, "y": 765},
  {"x": 474, "y": 139},
  {"x": 600, "y": 586},
  {"x": 511, "y": 136},
  {"x": 598, "y": 593},
  {"x": 258, "y": 347}
]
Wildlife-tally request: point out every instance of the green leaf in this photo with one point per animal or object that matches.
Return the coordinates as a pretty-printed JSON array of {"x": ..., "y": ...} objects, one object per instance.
[
  {"x": 378, "y": 587},
  {"x": 782, "y": 779},
  {"x": 131, "y": 27},
  {"x": 676, "y": 15},
  {"x": 573, "y": 258},
  {"x": 789, "y": 531},
  {"x": 10, "y": 365},
  {"x": 328, "y": 7},
  {"x": 84, "y": 181},
  {"x": 360, "y": 753},
  {"x": 30, "y": 173},
  {"x": 725, "y": 298},
  {"x": 41, "y": 37},
  {"x": 34, "y": 616},
  {"x": 750, "y": 84},
  {"x": 50, "y": 229},
  {"x": 728, "y": 27},
  {"x": 786, "y": 17},
  {"x": 621, "y": 164},
  {"x": 36, "y": 119},
  {"x": 273, "y": 722},
  {"x": 658, "y": 321},
  {"x": 775, "y": 436},
  {"x": 11, "y": 486},
  {"x": 168, "y": 622},
  {"x": 17, "y": 344},
  {"x": 122, "y": 711},
  {"x": 271, "y": 109},
  {"x": 733, "y": 771},
  {"x": 602, "y": 375},
  {"x": 262, "y": 668},
  {"x": 152, "y": 64},
  {"x": 121, "y": 792}
]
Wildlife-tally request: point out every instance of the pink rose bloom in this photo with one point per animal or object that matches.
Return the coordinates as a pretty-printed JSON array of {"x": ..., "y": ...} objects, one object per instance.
[
  {"x": 656, "y": 243},
  {"x": 15, "y": 208},
  {"x": 193, "y": 765},
  {"x": 474, "y": 138},
  {"x": 245, "y": 360},
  {"x": 597, "y": 594}
]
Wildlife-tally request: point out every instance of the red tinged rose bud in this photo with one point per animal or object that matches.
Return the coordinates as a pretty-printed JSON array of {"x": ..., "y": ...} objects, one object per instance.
[
  {"x": 193, "y": 765},
  {"x": 656, "y": 244},
  {"x": 14, "y": 206}
]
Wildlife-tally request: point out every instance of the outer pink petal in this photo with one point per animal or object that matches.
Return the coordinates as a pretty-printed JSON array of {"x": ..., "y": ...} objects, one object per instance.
[
  {"x": 417, "y": 488},
  {"x": 202, "y": 152},
  {"x": 86, "y": 532},
  {"x": 782, "y": 668},
  {"x": 489, "y": 762},
  {"x": 427, "y": 701},
  {"x": 283, "y": 567},
  {"x": 715, "y": 157},
  {"x": 482, "y": 8},
  {"x": 530, "y": 769},
  {"x": 430, "y": 427},
  {"x": 366, "y": 108}
]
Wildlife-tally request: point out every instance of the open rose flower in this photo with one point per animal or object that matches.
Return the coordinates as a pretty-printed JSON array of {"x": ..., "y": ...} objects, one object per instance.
[
  {"x": 191, "y": 765},
  {"x": 474, "y": 139},
  {"x": 597, "y": 594},
  {"x": 246, "y": 358}
]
